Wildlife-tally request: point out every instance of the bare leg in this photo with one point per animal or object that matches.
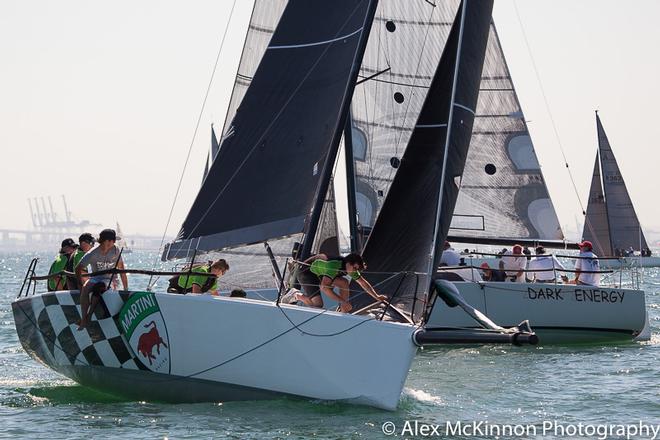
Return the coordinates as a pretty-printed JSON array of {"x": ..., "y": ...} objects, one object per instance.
[
  {"x": 84, "y": 305},
  {"x": 342, "y": 285}
]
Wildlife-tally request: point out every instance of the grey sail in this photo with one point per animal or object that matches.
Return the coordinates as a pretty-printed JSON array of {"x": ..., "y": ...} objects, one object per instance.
[
  {"x": 405, "y": 45},
  {"x": 274, "y": 166},
  {"x": 215, "y": 147},
  {"x": 503, "y": 193},
  {"x": 416, "y": 214},
  {"x": 265, "y": 16},
  {"x": 625, "y": 230},
  {"x": 596, "y": 224}
]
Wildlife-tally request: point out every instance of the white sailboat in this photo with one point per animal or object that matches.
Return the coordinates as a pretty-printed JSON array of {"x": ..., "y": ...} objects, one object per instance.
[
  {"x": 502, "y": 196},
  {"x": 121, "y": 241},
  {"x": 611, "y": 223},
  {"x": 180, "y": 348}
]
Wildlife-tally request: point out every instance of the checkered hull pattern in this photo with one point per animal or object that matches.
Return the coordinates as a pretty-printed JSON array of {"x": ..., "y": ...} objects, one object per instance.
[{"x": 47, "y": 326}]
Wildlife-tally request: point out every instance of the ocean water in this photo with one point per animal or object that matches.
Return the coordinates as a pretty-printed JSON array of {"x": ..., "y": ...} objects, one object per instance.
[{"x": 497, "y": 386}]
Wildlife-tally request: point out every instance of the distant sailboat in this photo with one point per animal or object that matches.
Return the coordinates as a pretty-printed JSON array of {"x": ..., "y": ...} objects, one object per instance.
[
  {"x": 611, "y": 223},
  {"x": 121, "y": 242}
]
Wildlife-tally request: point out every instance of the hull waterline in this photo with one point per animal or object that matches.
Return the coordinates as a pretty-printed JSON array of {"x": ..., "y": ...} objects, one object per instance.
[
  {"x": 558, "y": 313},
  {"x": 217, "y": 349}
]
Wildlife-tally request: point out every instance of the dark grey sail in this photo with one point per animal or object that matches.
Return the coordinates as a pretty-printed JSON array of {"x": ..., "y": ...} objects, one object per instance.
[
  {"x": 215, "y": 147},
  {"x": 285, "y": 134},
  {"x": 625, "y": 230},
  {"x": 596, "y": 224},
  {"x": 401, "y": 250},
  {"x": 503, "y": 193},
  {"x": 404, "y": 48},
  {"x": 265, "y": 16}
]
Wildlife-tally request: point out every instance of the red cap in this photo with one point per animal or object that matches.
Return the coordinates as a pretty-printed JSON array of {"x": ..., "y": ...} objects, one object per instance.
[
  {"x": 519, "y": 249},
  {"x": 485, "y": 265},
  {"x": 586, "y": 243}
]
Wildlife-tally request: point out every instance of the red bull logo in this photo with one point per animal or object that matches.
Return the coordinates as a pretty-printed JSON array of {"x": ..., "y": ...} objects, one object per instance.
[
  {"x": 148, "y": 341},
  {"x": 146, "y": 332}
]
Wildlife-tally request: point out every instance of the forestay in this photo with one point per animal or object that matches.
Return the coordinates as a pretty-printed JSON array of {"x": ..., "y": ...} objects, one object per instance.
[{"x": 275, "y": 157}]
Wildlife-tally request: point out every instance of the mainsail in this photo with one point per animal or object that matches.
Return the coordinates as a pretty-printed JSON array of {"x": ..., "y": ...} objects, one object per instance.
[
  {"x": 283, "y": 139},
  {"x": 624, "y": 230},
  {"x": 402, "y": 54},
  {"x": 596, "y": 225},
  {"x": 503, "y": 193},
  {"x": 417, "y": 211}
]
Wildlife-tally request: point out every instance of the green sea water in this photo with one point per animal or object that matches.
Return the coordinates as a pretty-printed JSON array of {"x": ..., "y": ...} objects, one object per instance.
[{"x": 493, "y": 385}]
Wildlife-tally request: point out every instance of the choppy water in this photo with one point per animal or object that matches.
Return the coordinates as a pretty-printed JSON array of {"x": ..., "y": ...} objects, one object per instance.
[{"x": 496, "y": 384}]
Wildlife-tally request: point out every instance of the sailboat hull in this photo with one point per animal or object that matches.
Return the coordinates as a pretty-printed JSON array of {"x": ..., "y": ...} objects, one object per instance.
[
  {"x": 208, "y": 348},
  {"x": 558, "y": 313},
  {"x": 630, "y": 262}
]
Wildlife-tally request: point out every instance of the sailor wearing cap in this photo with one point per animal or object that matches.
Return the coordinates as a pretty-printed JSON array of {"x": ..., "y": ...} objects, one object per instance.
[
  {"x": 588, "y": 261},
  {"x": 67, "y": 249},
  {"x": 104, "y": 256},
  {"x": 86, "y": 243}
]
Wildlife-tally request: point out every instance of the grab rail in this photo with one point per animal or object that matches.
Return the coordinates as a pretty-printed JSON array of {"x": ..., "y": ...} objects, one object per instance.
[{"x": 28, "y": 279}]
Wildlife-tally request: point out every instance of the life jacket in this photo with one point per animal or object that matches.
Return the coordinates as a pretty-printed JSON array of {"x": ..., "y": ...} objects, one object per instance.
[{"x": 175, "y": 287}]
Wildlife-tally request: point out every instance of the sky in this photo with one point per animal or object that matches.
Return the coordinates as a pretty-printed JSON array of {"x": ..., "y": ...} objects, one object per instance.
[{"x": 100, "y": 101}]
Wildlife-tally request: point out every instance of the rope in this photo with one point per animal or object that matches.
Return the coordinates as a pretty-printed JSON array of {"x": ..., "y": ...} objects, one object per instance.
[{"x": 194, "y": 136}]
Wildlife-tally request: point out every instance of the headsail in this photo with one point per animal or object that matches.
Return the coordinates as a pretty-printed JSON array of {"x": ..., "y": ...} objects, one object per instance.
[
  {"x": 625, "y": 230},
  {"x": 285, "y": 134},
  {"x": 265, "y": 16},
  {"x": 503, "y": 193},
  {"x": 596, "y": 225},
  {"x": 419, "y": 206}
]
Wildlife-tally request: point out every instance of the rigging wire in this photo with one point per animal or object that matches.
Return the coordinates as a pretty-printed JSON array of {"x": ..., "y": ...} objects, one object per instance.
[
  {"x": 199, "y": 119},
  {"x": 552, "y": 122}
]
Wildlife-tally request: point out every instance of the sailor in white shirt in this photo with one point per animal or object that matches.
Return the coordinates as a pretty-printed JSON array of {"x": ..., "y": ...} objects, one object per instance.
[
  {"x": 589, "y": 262},
  {"x": 544, "y": 265},
  {"x": 449, "y": 256},
  {"x": 514, "y": 263}
]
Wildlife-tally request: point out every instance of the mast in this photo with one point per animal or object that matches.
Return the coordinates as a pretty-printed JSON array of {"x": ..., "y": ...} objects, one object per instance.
[
  {"x": 418, "y": 208},
  {"x": 276, "y": 158},
  {"x": 624, "y": 227},
  {"x": 315, "y": 216},
  {"x": 350, "y": 184}
]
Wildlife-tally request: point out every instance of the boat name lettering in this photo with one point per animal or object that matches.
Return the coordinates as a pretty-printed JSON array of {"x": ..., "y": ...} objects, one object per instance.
[
  {"x": 143, "y": 304},
  {"x": 545, "y": 293},
  {"x": 598, "y": 295}
]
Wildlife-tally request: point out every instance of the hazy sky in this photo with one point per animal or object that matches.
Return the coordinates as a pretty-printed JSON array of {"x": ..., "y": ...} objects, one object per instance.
[{"x": 99, "y": 100}]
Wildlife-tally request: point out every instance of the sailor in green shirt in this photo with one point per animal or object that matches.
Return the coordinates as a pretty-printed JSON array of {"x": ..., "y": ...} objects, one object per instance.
[
  {"x": 321, "y": 274},
  {"x": 87, "y": 242},
  {"x": 203, "y": 284},
  {"x": 67, "y": 249}
]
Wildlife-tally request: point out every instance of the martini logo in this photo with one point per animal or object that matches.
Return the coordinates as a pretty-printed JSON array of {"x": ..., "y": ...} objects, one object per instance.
[{"x": 145, "y": 331}]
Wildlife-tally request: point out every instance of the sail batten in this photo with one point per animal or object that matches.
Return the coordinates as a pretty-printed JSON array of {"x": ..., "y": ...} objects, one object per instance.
[
  {"x": 283, "y": 137},
  {"x": 503, "y": 183},
  {"x": 419, "y": 205}
]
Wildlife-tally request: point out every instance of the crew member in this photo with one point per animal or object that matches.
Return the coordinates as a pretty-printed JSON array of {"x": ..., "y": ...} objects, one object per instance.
[
  {"x": 86, "y": 243},
  {"x": 105, "y": 256},
  {"x": 200, "y": 283},
  {"x": 514, "y": 263},
  {"x": 586, "y": 265},
  {"x": 66, "y": 250},
  {"x": 545, "y": 266},
  {"x": 321, "y": 274}
]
